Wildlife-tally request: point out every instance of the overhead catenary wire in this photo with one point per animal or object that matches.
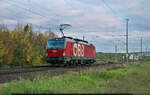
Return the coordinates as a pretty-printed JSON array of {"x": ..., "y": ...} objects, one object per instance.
[
  {"x": 15, "y": 19},
  {"x": 29, "y": 9},
  {"x": 26, "y": 9},
  {"x": 112, "y": 10},
  {"x": 10, "y": 18},
  {"x": 43, "y": 8}
]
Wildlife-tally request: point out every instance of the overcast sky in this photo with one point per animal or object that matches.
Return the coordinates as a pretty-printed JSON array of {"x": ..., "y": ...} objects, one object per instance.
[{"x": 97, "y": 20}]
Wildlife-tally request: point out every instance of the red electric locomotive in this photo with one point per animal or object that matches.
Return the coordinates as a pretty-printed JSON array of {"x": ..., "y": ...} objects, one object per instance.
[{"x": 67, "y": 51}]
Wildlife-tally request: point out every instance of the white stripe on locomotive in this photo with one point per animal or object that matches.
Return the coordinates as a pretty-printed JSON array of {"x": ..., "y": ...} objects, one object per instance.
[
  {"x": 75, "y": 47},
  {"x": 82, "y": 50},
  {"x": 78, "y": 50}
]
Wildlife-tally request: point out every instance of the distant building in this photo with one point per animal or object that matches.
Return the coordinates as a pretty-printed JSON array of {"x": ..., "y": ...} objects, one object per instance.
[{"x": 139, "y": 56}]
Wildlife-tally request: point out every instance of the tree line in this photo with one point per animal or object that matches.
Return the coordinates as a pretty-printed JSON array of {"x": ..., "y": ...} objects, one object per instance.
[{"x": 23, "y": 46}]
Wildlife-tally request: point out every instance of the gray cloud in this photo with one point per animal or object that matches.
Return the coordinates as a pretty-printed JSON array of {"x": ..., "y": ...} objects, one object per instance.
[{"x": 90, "y": 18}]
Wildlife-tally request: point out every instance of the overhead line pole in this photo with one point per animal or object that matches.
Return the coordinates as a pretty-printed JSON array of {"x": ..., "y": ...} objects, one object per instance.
[
  {"x": 116, "y": 53},
  {"x": 141, "y": 46},
  {"x": 127, "y": 40},
  {"x": 83, "y": 37},
  {"x": 146, "y": 51}
]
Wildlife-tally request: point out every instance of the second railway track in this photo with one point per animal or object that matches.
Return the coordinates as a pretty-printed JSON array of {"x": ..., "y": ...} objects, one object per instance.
[{"x": 7, "y": 75}]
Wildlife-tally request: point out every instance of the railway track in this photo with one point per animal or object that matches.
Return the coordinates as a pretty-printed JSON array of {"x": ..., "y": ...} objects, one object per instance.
[
  {"x": 38, "y": 68},
  {"x": 7, "y": 75}
]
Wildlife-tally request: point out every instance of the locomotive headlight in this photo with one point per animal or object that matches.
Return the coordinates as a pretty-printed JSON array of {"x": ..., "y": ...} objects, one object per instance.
[{"x": 64, "y": 53}]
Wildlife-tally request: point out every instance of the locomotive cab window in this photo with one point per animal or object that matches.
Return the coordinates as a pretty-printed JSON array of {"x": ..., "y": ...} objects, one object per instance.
[{"x": 55, "y": 44}]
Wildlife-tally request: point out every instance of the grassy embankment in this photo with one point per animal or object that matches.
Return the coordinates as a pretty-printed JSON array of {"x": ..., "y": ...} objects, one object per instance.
[
  {"x": 109, "y": 57},
  {"x": 129, "y": 79}
]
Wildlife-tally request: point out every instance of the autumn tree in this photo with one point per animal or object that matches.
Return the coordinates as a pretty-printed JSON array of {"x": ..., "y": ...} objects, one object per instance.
[{"x": 22, "y": 46}]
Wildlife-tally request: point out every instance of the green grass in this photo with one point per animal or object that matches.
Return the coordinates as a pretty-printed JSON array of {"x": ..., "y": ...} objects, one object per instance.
[
  {"x": 108, "y": 57},
  {"x": 128, "y": 79}
]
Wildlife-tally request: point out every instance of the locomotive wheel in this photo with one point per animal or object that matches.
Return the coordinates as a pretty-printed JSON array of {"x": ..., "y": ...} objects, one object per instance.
[
  {"x": 66, "y": 65},
  {"x": 88, "y": 64},
  {"x": 75, "y": 64},
  {"x": 53, "y": 65}
]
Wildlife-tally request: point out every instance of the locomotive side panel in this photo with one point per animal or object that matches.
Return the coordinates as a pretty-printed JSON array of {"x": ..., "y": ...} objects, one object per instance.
[
  {"x": 85, "y": 51},
  {"x": 91, "y": 52},
  {"x": 68, "y": 49}
]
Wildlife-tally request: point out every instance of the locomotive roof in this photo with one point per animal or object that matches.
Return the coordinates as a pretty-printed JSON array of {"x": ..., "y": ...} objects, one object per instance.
[
  {"x": 72, "y": 39},
  {"x": 76, "y": 40}
]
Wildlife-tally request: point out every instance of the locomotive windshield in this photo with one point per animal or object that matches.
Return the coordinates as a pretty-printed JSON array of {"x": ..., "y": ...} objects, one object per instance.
[{"x": 55, "y": 44}]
